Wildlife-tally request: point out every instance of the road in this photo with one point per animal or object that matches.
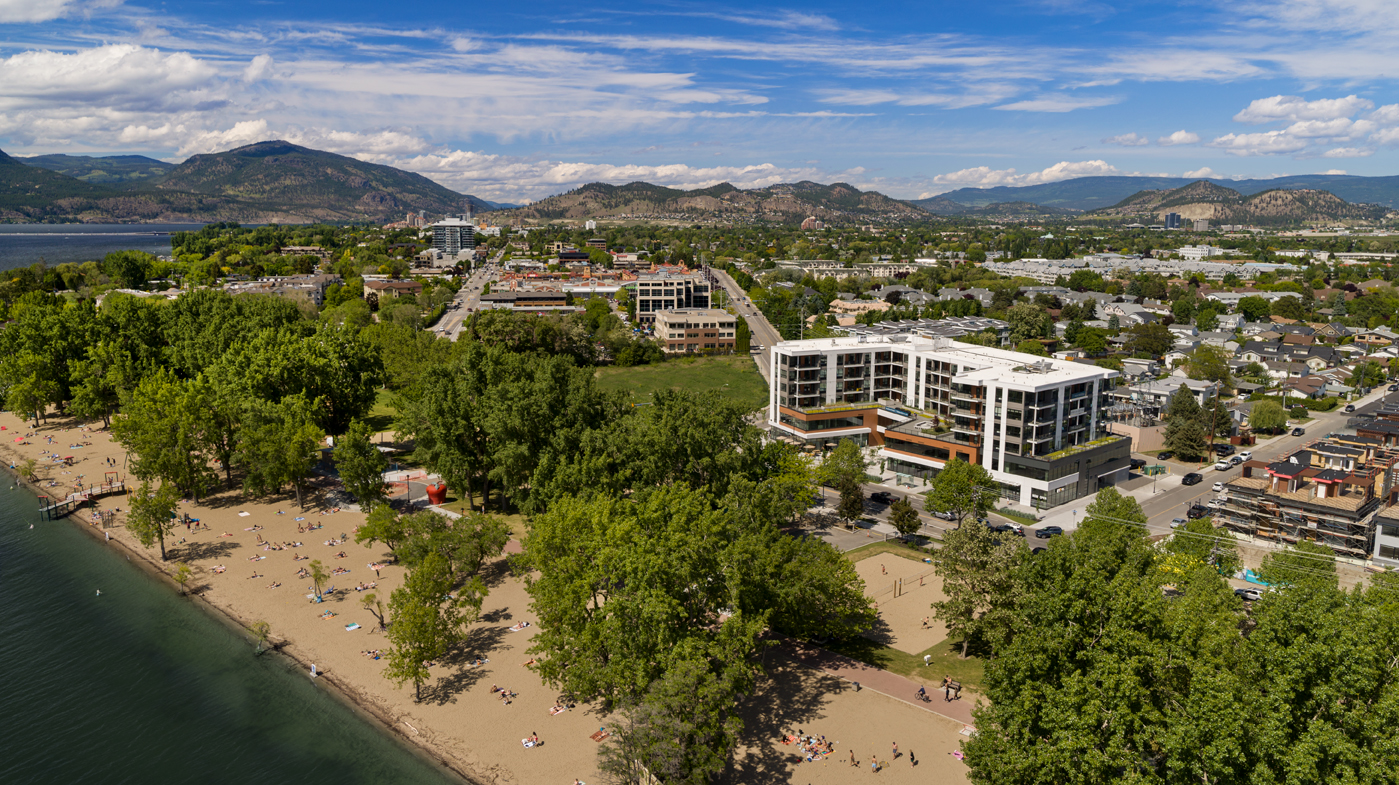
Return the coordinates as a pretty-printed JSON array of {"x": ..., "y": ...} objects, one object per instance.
[
  {"x": 763, "y": 333},
  {"x": 468, "y": 299}
]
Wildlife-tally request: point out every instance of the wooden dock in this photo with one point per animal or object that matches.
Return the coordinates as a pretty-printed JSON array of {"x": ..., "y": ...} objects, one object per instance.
[{"x": 75, "y": 501}]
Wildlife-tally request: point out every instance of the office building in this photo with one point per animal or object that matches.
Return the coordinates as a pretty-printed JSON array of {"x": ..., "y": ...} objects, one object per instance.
[
  {"x": 696, "y": 330},
  {"x": 452, "y": 236},
  {"x": 1172, "y": 220},
  {"x": 667, "y": 291},
  {"x": 1034, "y": 423}
]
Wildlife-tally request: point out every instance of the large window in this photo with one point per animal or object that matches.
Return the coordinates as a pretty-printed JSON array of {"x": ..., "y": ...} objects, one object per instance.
[
  {"x": 832, "y": 424},
  {"x": 1389, "y": 530},
  {"x": 1389, "y": 552}
]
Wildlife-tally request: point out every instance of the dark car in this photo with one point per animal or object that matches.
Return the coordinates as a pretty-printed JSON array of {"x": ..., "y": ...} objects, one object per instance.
[
  {"x": 1394, "y": 388},
  {"x": 1224, "y": 449},
  {"x": 1045, "y": 532},
  {"x": 1191, "y": 479},
  {"x": 1165, "y": 455},
  {"x": 1298, "y": 432},
  {"x": 1350, "y": 408},
  {"x": 883, "y": 497},
  {"x": 1197, "y": 511},
  {"x": 1137, "y": 463},
  {"x": 1236, "y": 460},
  {"x": 1000, "y": 528}
]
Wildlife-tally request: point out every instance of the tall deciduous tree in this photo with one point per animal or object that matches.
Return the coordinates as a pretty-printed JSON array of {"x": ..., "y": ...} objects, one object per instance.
[
  {"x": 962, "y": 489},
  {"x": 152, "y": 514},
  {"x": 1267, "y": 417},
  {"x": 162, "y": 424},
  {"x": 976, "y": 578},
  {"x": 278, "y": 446},
  {"x": 903, "y": 516},
  {"x": 425, "y": 621},
  {"x": 361, "y": 465}
]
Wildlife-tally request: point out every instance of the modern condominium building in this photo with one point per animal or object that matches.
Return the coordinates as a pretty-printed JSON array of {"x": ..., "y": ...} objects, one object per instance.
[
  {"x": 1034, "y": 423},
  {"x": 665, "y": 291},
  {"x": 451, "y": 236}
]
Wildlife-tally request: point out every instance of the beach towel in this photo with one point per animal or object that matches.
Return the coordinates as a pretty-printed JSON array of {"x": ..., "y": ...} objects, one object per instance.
[
  {"x": 527, "y": 743},
  {"x": 244, "y": 514},
  {"x": 351, "y": 627},
  {"x": 302, "y": 518},
  {"x": 600, "y": 735}
]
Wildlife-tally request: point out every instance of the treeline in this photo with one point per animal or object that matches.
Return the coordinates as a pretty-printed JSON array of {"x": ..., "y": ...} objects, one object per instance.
[{"x": 1117, "y": 659}]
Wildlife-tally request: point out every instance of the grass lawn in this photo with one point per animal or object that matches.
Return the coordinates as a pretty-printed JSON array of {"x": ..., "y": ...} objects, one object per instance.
[
  {"x": 946, "y": 661},
  {"x": 512, "y": 518},
  {"x": 381, "y": 415},
  {"x": 734, "y": 377},
  {"x": 888, "y": 546}
]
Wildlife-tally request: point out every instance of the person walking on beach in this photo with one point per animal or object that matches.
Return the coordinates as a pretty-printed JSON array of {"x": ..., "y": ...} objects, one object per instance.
[
  {"x": 896, "y": 751},
  {"x": 874, "y": 763},
  {"x": 853, "y": 762}
]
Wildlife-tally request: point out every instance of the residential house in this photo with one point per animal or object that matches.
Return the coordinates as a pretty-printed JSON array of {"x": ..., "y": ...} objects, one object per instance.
[{"x": 1380, "y": 336}]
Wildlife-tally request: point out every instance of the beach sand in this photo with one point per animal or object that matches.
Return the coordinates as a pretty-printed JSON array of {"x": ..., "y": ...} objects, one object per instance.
[
  {"x": 901, "y": 617},
  {"x": 460, "y": 721}
]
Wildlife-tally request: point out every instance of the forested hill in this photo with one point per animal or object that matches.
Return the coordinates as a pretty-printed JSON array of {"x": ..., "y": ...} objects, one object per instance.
[
  {"x": 267, "y": 182},
  {"x": 1092, "y": 193},
  {"x": 784, "y": 203}
]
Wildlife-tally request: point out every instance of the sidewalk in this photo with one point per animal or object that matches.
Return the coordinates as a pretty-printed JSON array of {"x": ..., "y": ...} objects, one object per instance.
[{"x": 881, "y": 681}]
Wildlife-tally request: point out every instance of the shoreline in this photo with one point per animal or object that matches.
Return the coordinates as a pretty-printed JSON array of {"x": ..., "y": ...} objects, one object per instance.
[
  {"x": 283, "y": 647},
  {"x": 461, "y": 725}
]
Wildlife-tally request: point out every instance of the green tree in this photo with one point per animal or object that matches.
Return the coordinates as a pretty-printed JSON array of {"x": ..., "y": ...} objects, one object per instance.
[
  {"x": 152, "y": 514},
  {"x": 465, "y": 543},
  {"x": 1303, "y": 564},
  {"x": 1030, "y": 346},
  {"x": 1185, "y": 433},
  {"x": 109, "y": 372},
  {"x": 318, "y": 575},
  {"x": 1198, "y": 542},
  {"x": 129, "y": 269},
  {"x": 1289, "y": 308},
  {"x": 261, "y": 632},
  {"x": 426, "y": 621},
  {"x": 1154, "y": 339},
  {"x": 1254, "y": 308},
  {"x": 962, "y": 489},
  {"x": 370, "y": 601},
  {"x": 977, "y": 586},
  {"x": 903, "y": 517},
  {"x": 1210, "y": 363},
  {"x": 844, "y": 466},
  {"x": 361, "y": 466},
  {"x": 162, "y": 424},
  {"x": 1092, "y": 340},
  {"x": 278, "y": 446},
  {"x": 852, "y": 500},
  {"x": 182, "y": 575},
  {"x": 1267, "y": 416},
  {"x": 1028, "y": 321}
]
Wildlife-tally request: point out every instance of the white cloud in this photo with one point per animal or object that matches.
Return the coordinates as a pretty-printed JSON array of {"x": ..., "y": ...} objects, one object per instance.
[
  {"x": 1127, "y": 140},
  {"x": 112, "y": 75},
  {"x": 1202, "y": 174},
  {"x": 1292, "y": 107},
  {"x": 258, "y": 68},
  {"x": 1348, "y": 152},
  {"x": 986, "y": 177},
  {"x": 1333, "y": 171},
  {"x": 1179, "y": 137},
  {"x": 1267, "y": 143},
  {"x": 1058, "y": 103},
  {"x": 35, "y": 10}
]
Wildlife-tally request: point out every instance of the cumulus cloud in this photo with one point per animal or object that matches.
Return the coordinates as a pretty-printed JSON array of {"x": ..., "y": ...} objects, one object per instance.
[
  {"x": 1292, "y": 107},
  {"x": 258, "y": 68},
  {"x": 986, "y": 177},
  {"x": 116, "y": 74},
  {"x": 1127, "y": 140},
  {"x": 1205, "y": 173},
  {"x": 12, "y": 11},
  {"x": 1179, "y": 137}
]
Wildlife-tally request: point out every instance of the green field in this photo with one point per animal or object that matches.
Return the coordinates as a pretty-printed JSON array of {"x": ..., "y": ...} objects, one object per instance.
[{"x": 735, "y": 378}]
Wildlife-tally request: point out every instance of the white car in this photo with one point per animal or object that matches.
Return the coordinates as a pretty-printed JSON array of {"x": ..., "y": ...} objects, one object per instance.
[
  {"x": 1222, "y": 466},
  {"x": 1246, "y": 455},
  {"x": 1214, "y": 504},
  {"x": 1219, "y": 486}
]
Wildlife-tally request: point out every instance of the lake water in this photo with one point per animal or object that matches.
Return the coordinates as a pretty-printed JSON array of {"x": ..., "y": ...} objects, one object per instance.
[
  {"x": 24, "y": 244},
  {"x": 140, "y": 686}
]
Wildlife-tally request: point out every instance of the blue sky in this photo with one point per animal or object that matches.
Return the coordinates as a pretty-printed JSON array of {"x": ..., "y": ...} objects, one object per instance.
[{"x": 516, "y": 101}]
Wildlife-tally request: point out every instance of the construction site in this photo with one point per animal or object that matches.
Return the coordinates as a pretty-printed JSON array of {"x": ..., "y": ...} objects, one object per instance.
[{"x": 1328, "y": 492}]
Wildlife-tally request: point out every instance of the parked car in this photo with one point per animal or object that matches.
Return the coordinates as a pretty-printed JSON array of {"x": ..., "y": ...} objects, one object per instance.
[
  {"x": 1191, "y": 479},
  {"x": 1298, "y": 432},
  {"x": 1165, "y": 455},
  {"x": 1197, "y": 511},
  {"x": 1176, "y": 523},
  {"x": 1000, "y": 528},
  {"x": 1219, "y": 486},
  {"x": 1350, "y": 407},
  {"x": 883, "y": 497},
  {"x": 1236, "y": 460},
  {"x": 945, "y": 516},
  {"x": 1222, "y": 466},
  {"x": 1214, "y": 504},
  {"x": 1248, "y": 595},
  {"x": 1136, "y": 463},
  {"x": 1045, "y": 532},
  {"x": 1224, "y": 449},
  {"x": 1246, "y": 455},
  {"x": 1394, "y": 388}
]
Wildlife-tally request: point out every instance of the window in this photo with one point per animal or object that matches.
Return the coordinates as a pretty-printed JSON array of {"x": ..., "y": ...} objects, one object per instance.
[
  {"x": 1389, "y": 530},
  {"x": 1389, "y": 552}
]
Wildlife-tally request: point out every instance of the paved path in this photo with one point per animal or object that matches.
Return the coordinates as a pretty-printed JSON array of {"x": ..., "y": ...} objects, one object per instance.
[{"x": 871, "y": 678}]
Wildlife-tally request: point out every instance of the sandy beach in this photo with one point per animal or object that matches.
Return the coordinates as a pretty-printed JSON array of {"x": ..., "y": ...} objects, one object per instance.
[{"x": 246, "y": 553}]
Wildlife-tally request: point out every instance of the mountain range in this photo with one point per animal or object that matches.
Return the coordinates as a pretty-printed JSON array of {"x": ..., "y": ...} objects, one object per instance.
[
  {"x": 1092, "y": 193},
  {"x": 786, "y": 202},
  {"x": 1219, "y": 205},
  {"x": 266, "y": 182}
]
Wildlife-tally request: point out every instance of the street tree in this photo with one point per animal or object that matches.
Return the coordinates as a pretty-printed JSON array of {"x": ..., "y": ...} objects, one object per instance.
[
  {"x": 845, "y": 465},
  {"x": 903, "y": 517},
  {"x": 152, "y": 514},
  {"x": 1185, "y": 432},
  {"x": 361, "y": 466},
  {"x": 962, "y": 489},
  {"x": 852, "y": 500},
  {"x": 1267, "y": 416}
]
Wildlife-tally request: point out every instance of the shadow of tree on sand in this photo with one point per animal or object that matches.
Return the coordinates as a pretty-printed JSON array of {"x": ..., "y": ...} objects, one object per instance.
[
  {"x": 479, "y": 642},
  {"x": 190, "y": 551},
  {"x": 787, "y": 698}
]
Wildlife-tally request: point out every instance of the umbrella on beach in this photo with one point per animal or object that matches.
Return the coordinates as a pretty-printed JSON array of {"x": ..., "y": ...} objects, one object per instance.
[{"x": 19, "y": 438}]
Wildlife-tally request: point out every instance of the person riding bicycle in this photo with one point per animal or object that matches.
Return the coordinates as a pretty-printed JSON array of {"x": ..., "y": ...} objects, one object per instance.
[{"x": 922, "y": 694}]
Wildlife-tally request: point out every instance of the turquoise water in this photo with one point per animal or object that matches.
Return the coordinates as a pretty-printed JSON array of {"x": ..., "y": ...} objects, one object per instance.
[{"x": 139, "y": 686}]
